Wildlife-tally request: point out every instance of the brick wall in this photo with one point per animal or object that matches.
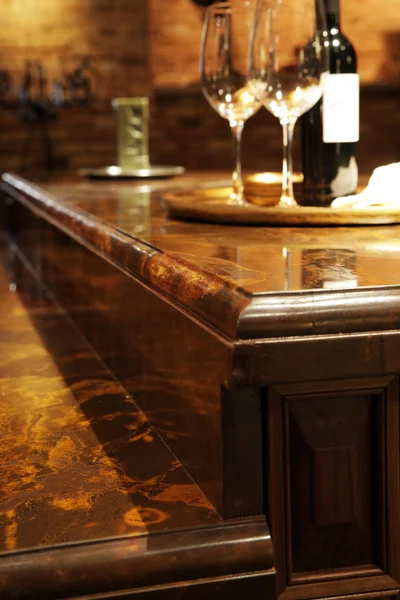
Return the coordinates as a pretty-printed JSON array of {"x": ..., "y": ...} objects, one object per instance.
[
  {"x": 186, "y": 129},
  {"x": 122, "y": 37},
  {"x": 113, "y": 33},
  {"x": 372, "y": 25}
]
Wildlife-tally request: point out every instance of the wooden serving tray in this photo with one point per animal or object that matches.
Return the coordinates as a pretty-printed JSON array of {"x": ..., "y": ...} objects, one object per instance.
[{"x": 213, "y": 205}]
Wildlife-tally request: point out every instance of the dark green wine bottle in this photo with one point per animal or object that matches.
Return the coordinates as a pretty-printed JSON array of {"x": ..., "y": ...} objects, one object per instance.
[{"x": 330, "y": 130}]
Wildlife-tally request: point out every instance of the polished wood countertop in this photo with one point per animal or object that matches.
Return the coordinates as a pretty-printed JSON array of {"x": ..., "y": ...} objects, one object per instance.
[{"x": 246, "y": 282}]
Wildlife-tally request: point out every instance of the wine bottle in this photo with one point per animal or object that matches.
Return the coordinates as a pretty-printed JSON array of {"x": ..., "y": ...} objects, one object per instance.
[{"x": 330, "y": 130}]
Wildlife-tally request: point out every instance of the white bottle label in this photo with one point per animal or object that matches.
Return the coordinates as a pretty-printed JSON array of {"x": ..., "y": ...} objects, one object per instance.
[{"x": 341, "y": 108}]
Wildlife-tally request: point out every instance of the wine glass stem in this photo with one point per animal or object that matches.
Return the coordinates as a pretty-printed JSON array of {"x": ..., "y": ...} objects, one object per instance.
[
  {"x": 237, "y": 129},
  {"x": 287, "y": 198}
]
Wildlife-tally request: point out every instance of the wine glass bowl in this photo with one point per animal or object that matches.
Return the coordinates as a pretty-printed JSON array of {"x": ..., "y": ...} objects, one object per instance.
[
  {"x": 234, "y": 103},
  {"x": 224, "y": 73},
  {"x": 288, "y": 63}
]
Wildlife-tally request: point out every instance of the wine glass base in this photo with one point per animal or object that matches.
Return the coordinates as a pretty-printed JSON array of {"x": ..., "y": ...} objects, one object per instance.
[
  {"x": 236, "y": 199},
  {"x": 287, "y": 202}
]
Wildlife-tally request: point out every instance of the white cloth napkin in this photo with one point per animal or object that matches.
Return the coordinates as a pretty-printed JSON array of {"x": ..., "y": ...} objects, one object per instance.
[{"x": 383, "y": 189}]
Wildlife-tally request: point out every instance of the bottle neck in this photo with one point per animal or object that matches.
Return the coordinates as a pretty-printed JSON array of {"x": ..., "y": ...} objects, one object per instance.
[{"x": 332, "y": 8}]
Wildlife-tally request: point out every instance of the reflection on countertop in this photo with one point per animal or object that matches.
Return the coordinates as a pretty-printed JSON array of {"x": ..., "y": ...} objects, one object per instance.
[
  {"x": 247, "y": 256},
  {"x": 79, "y": 460}
]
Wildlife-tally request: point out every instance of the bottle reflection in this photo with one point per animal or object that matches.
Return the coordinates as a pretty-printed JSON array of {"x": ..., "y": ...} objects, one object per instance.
[
  {"x": 231, "y": 253},
  {"x": 328, "y": 269},
  {"x": 288, "y": 267}
]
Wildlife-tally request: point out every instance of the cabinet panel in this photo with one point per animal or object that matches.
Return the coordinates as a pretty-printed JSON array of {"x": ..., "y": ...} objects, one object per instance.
[
  {"x": 335, "y": 488},
  {"x": 330, "y": 449}
]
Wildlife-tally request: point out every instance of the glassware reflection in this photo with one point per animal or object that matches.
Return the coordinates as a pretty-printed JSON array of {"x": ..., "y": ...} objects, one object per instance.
[{"x": 329, "y": 269}]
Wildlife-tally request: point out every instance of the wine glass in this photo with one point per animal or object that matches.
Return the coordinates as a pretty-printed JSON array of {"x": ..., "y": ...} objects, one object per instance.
[
  {"x": 288, "y": 64},
  {"x": 224, "y": 72}
]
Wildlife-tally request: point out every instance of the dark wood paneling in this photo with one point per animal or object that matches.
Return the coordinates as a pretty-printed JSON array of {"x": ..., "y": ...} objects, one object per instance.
[
  {"x": 333, "y": 448},
  {"x": 334, "y": 443},
  {"x": 174, "y": 558},
  {"x": 242, "y": 449},
  {"x": 316, "y": 358},
  {"x": 235, "y": 588},
  {"x": 335, "y": 485},
  {"x": 379, "y": 586}
]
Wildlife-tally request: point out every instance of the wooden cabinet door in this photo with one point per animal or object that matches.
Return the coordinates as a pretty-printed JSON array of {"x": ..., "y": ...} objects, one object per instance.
[{"x": 333, "y": 486}]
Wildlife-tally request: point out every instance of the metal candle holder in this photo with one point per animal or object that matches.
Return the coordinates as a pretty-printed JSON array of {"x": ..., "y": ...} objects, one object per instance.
[{"x": 132, "y": 132}]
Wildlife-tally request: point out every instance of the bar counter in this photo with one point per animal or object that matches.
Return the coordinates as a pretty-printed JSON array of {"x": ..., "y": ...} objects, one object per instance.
[{"x": 265, "y": 361}]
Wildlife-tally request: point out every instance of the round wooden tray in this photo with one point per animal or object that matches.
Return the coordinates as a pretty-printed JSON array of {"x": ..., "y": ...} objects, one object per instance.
[{"x": 213, "y": 205}]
